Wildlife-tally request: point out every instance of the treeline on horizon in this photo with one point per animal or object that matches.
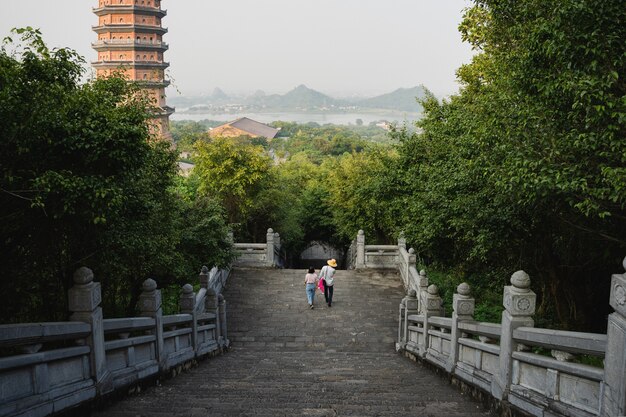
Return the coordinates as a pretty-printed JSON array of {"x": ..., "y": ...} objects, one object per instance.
[{"x": 524, "y": 169}]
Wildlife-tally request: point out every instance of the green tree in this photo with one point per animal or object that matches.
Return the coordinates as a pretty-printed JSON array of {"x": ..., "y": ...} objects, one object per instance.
[
  {"x": 359, "y": 192},
  {"x": 81, "y": 183},
  {"x": 233, "y": 172},
  {"x": 524, "y": 168}
]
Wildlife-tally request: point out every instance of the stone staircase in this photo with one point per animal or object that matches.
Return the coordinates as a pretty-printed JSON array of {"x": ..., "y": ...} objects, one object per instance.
[{"x": 289, "y": 360}]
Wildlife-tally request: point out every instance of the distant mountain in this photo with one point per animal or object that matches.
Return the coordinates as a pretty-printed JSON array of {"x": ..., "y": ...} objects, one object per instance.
[
  {"x": 219, "y": 96},
  {"x": 300, "y": 98},
  {"x": 400, "y": 99},
  {"x": 304, "y": 97}
]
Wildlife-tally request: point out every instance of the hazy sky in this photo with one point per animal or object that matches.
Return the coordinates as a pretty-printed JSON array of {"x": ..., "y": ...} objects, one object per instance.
[{"x": 339, "y": 47}]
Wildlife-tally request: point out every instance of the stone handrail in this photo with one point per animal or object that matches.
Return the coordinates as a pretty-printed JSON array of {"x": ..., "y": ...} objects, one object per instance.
[
  {"x": 502, "y": 359},
  {"x": 518, "y": 365},
  {"x": 260, "y": 255},
  {"x": 362, "y": 256},
  {"x": 49, "y": 367}
]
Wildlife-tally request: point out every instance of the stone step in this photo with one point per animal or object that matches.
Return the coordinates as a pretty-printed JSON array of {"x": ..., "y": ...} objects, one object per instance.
[{"x": 288, "y": 360}]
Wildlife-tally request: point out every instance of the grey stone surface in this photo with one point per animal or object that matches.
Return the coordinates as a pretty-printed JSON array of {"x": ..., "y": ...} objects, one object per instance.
[
  {"x": 287, "y": 360},
  {"x": 615, "y": 366}
]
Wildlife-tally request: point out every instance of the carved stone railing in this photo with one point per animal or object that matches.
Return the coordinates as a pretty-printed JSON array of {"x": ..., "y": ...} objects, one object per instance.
[
  {"x": 509, "y": 360},
  {"x": 49, "y": 367},
  {"x": 260, "y": 255},
  {"x": 362, "y": 256},
  {"x": 533, "y": 370}
]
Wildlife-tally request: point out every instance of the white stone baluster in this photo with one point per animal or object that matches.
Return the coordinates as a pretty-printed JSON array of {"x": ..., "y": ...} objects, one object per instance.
[
  {"x": 432, "y": 308},
  {"x": 519, "y": 302},
  {"x": 360, "y": 250},
  {"x": 150, "y": 306},
  {"x": 188, "y": 306},
  {"x": 462, "y": 310},
  {"x": 408, "y": 306},
  {"x": 84, "y": 303},
  {"x": 270, "y": 248},
  {"x": 614, "y": 398}
]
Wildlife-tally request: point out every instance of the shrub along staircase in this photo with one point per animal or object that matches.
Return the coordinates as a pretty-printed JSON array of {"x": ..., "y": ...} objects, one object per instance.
[{"x": 286, "y": 359}]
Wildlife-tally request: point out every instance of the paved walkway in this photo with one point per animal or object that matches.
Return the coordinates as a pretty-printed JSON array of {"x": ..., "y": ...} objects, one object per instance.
[{"x": 288, "y": 360}]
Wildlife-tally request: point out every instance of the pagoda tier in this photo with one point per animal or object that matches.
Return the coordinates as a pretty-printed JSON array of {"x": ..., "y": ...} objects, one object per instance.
[{"x": 130, "y": 43}]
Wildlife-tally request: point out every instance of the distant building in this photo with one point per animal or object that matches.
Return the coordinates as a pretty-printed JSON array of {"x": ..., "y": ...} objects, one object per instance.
[{"x": 244, "y": 127}]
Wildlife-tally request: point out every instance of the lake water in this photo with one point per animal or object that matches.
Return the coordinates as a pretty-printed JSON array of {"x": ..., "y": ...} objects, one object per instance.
[{"x": 321, "y": 118}]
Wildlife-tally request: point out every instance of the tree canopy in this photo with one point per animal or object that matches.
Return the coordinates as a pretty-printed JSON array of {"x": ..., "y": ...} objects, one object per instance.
[{"x": 82, "y": 182}]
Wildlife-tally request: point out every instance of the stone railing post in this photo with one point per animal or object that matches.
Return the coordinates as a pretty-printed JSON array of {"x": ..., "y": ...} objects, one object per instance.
[
  {"x": 278, "y": 262},
  {"x": 224, "y": 342},
  {"x": 204, "y": 277},
  {"x": 211, "y": 305},
  {"x": 462, "y": 310},
  {"x": 412, "y": 258},
  {"x": 277, "y": 240},
  {"x": 411, "y": 264},
  {"x": 408, "y": 306},
  {"x": 270, "y": 248},
  {"x": 401, "y": 241},
  {"x": 150, "y": 306},
  {"x": 422, "y": 291},
  {"x": 614, "y": 398},
  {"x": 432, "y": 308},
  {"x": 360, "y": 250},
  {"x": 187, "y": 303},
  {"x": 84, "y": 304},
  {"x": 519, "y": 304}
]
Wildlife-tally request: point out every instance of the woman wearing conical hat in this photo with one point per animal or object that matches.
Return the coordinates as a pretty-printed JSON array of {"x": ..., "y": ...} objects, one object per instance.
[{"x": 327, "y": 274}]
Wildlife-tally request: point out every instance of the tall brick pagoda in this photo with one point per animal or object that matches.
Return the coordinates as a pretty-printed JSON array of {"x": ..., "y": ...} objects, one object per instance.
[{"x": 130, "y": 38}]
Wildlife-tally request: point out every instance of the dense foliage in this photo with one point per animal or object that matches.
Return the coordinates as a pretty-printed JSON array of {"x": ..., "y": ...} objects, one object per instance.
[
  {"x": 83, "y": 183},
  {"x": 525, "y": 167}
]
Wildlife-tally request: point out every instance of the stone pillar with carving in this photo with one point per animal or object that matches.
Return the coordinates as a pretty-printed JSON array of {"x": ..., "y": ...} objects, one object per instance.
[
  {"x": 401, "y": 241},
  {"x": 270, "y": 248},
  {"x": 278, "y": 262},
  {"x": 204, "y": 277},
  {"x": 432, "y": 308},
  {"x": 224, "y": 342},
  {"x": 84, "y": 304},
  {"x": 519, "y": 304},
  {"x": 187, "y": 303},
  {"x": 408, "y": 306},
  {"x": 411, "y": 265},
  {"x": 150, "y": 306},
  {"x": 211, "y": 305},
  {"x": 422, "y": 291},
  {"x": 360, "y": 250},
  {"x": 614, "y": 397},
  {"x": 462, "y": 310}
]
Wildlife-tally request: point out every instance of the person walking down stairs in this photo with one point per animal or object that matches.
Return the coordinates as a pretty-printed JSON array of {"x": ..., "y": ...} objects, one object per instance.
[
  {"x": 310, "y": 283},
  {"x": 328, "y": 275}
]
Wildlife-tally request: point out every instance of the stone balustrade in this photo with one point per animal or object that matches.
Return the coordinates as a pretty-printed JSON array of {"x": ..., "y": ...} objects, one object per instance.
[
  {"x": 538, "y": 371},
  {"x": 362, "y": 256},
  {"x": 49, "y": 367},
  {"x": 260, "y": 255}
]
